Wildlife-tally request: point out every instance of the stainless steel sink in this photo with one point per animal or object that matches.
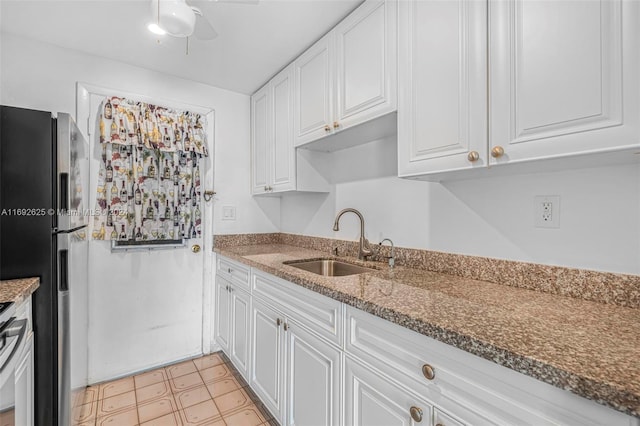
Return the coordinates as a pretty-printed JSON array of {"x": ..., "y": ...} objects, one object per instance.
[{"x": 329, "y": 268}]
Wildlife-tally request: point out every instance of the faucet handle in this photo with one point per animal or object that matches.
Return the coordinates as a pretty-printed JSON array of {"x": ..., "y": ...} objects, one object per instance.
[{"x": 367, "y": 250}]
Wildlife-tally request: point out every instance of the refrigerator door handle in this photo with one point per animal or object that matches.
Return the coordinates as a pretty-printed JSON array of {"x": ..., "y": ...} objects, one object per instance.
[
  {"x": 63, "y": 266},
  {"x": 64, "y": 192}
]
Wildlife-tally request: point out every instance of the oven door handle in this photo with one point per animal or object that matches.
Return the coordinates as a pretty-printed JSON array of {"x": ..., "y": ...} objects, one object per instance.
[{"x": 12, "y": 335}]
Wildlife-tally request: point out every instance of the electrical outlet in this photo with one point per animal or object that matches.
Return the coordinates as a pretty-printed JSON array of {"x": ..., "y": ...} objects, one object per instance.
[{"x": 546, "y": 211}]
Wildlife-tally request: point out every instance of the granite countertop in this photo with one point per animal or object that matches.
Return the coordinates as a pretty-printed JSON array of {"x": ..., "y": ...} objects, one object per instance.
[
  {"x": 589, "y": 348},
  {"x": 18, "y": 290}
]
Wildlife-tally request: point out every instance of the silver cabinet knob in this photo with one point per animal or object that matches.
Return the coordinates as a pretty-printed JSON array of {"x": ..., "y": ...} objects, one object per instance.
[
  {"x": 428, "y": 372},
  {"x": 416, "y": 414}
]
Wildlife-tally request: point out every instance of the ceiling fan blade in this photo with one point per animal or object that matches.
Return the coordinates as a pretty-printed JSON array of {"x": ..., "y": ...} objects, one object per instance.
[{"x": 204, "y": 30}]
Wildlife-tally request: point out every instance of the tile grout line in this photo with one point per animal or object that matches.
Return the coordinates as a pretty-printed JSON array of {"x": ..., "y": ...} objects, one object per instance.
[{"x": 252, "y": 401}]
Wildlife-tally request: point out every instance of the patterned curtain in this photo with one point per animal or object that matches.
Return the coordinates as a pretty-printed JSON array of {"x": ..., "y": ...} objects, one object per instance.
[{"x": 149, "y": 186}]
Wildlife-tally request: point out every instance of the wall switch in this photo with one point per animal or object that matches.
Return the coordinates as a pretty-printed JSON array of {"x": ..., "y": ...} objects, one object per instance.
[
  {"x": 228, "y": 212},
  {"x": 546, "y": 211}
]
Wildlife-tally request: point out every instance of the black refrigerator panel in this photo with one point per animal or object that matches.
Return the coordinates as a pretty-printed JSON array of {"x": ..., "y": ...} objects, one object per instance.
[{"x": 27, "y": 246}]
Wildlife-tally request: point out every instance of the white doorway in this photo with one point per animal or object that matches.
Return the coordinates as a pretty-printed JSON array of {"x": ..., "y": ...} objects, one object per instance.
[{"x": 146, "y": 307}]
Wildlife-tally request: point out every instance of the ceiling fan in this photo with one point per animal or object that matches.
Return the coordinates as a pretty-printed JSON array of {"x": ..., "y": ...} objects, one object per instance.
[{"x": 178, "y": 18}]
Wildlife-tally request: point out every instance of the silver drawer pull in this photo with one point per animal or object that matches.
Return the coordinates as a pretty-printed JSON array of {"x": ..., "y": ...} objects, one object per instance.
[
  {"x": 229, "y": 270},
  {"x": 428, "y": 372},
  {"x": 416, "y": 414}
]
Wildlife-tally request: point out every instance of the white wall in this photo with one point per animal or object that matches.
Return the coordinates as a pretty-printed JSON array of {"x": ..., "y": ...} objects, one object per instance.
[
  {"x": 492, "y": 216},
  {"x": 142, "y": 312}
]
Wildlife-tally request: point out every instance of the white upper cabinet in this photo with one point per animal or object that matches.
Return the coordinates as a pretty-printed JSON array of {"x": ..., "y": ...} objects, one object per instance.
[
  {"x": 276, "y": 166},
  {"x": 349, "y": 76},
  {"x": 442, "y": 113},
  {"x": 283, "y": 154},
  {"x": 313, "y": 92},
  {"x": 260, "y": 140},
  {"x": 564, "y": 78},
  {"x": 365, "y": 64},
  {"x": 563, "y": 81}
]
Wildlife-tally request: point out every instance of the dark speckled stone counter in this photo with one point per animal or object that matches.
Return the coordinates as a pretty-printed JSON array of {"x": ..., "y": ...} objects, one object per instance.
[
  {"x": 18, "y": 290},
  {"x": 591, "y": 349}
]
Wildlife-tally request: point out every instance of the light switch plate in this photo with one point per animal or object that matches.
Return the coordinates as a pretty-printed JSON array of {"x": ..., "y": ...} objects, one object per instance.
[{"x": 228, "y": 212}]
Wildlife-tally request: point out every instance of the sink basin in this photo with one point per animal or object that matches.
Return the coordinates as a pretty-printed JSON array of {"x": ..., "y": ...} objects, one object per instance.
[{"x": 329, "y": 268}]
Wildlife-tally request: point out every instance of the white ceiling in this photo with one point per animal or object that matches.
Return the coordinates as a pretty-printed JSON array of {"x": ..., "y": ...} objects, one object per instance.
[{"x": 254, "y": 42}]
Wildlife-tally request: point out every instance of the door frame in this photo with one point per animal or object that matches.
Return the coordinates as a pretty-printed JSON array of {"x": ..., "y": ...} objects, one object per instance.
[{"x": 84, "y": 92}]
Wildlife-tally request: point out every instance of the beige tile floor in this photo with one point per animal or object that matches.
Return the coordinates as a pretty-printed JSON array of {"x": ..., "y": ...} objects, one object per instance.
[
  {"x": 7, "y": 418},
  {"x": 204, "y": 391}
]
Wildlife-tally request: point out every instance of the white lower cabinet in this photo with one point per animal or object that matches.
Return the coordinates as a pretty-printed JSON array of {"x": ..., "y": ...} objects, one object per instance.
[
  {"x": 313, "y": 379},
  {"x": 24, "y": 386},
  {"x": 233, "y": 309},
  {"x": 371, "y": 400},
  {"x": 222, "y": 329},
  {"x": 442, "y": 419},
  {"x": 267, "y": 357},
  {"x": 315, "y": 363},
  {"x": 295, "y": 373},
  {"x": 240, "y": 326}
]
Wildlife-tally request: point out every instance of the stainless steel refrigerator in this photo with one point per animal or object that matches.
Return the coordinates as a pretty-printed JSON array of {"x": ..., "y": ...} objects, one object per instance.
[{"x": 43, "y": 204}]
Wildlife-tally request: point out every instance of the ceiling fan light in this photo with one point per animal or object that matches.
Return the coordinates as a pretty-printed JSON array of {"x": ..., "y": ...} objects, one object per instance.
[
  {"x": 177, "y": 18},
  {"x": 156, "y": 29}
]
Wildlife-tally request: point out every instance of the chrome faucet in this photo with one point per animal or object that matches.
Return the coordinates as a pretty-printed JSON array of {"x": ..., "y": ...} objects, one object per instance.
[
  {"x": 365, "y": 249},
  {"x": 392, "y": 258}
]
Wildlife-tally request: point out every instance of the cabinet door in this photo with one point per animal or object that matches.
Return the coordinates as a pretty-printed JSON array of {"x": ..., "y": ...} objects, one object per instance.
[
  {"x": 565, "y": 85},
  {"x": 260, "y": 140},
  {"x": 283, "y": 153},
  {"x": 365, "y": 63},
  {"x": 24, "y": 387},
  {"x": 372, "y": 400},
  {"x": 240, "y": 337},
  {"x": 222, "y": 332},
  {"x": 313, "y": 379},
  {"x": 442, "y": 95},
  {"x": 313, "y": 92},
  {"x": 267, "y": 357}
]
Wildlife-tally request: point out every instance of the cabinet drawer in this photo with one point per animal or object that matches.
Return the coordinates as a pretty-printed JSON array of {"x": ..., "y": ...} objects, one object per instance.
[
  {"x": 233, "y": 271},
  {"x": 442, "y": 419},
  {"x": 315, "y": 311},
  {"x": 476, "y": 390}
]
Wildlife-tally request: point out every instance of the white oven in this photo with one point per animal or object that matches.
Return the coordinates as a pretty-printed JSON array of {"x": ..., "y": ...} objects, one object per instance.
[{"x": 12, "y": 341}]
